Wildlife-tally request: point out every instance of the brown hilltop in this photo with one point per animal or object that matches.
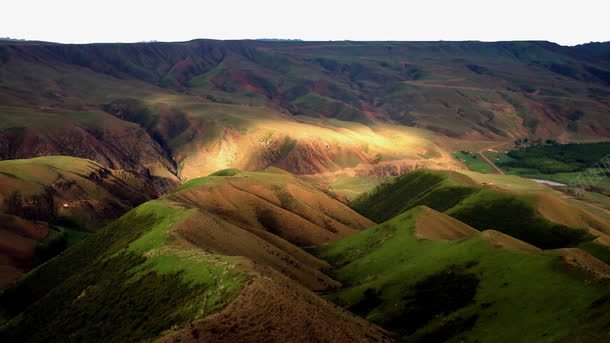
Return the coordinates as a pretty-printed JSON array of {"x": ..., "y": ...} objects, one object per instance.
[
  {"x": 268, "y": 217},
  {"x": 272, "y": 308}
]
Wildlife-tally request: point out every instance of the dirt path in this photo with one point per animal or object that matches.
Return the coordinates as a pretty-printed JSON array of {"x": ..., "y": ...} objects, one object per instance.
[{"x": 500, "y": 171}]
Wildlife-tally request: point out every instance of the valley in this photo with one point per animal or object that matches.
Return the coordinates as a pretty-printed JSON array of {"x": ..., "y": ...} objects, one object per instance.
[{"x": 288, "y": 191}]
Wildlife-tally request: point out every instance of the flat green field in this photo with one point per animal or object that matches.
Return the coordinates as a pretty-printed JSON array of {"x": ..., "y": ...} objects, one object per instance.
[{"x": 474, "y": 162}]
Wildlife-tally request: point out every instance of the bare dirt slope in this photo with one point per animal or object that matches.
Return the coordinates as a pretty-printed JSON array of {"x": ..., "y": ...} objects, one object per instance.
[
  {"x": 434, "y": 225},
  {"x": 501, "y": 240},
  {"x": 272, "y": 308},
  {"x": 584, "y": 261},
  {"x": 40, "y": 194},
  {"x": 268, "y": 217},
  {"x": 278, "y": 203}
]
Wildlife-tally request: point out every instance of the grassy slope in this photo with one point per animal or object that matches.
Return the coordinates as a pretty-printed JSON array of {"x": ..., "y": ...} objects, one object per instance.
[
  {"x": 184, "y": 256},
  {"x": 128, "y": 268},
  {"x": 31, "y": 176},
  {"x": 474, "y": 162},
  {"x": 483, "y": 207},
  {"x": 542, "y": 308},
  {"x": 439, "y": 190}
]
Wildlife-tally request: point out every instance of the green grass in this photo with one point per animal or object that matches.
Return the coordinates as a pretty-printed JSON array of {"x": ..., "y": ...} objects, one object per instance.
[
  {"x": 200, "y": 181},
  {"x": 353, "y": 186},
  {"x": 436, "y": 189},
  {"x": 208, "y": 180},
  {"x": 59, "y": 239},
  {"x": 38, "y": 170},
  {"x": 530, "y": 291},
  {"x": 515, "y": 216},
  {"x": 226, "y": 172},
  {"x": 564, "y": 163},
  {"x": 205, "y": 78},
  {"x": 74, "y": 235},
  {"x": 474, "y": 162},
  {"x": 481, "y": 207},
  {"x": 113, "y": 278}
]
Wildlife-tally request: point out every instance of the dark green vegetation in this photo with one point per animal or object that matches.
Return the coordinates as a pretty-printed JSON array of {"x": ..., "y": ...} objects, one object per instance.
[
  {"x": 515, "y": 216},
  {"x": 111, "y": 283},
  {"x": 480, "y": 207},
  {"x": 557, "y": 158},
  {"x": 58, "y": 239},
  {"x": 466, "y": 290},
  {"x": 436, "y": 189},
  {"x": 579, "y": 166},
  {"x": 583, "y": 165}
]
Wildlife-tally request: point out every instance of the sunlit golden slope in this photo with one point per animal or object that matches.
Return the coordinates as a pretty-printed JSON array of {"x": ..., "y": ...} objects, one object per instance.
[{"x": 253, "y": 138}]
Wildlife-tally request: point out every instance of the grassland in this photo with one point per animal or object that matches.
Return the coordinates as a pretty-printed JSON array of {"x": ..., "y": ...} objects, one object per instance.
[
  {"x": 578, "y": 164},
  {"x": 465, "y": 290},
  {"x": 186, "y": 256},
  {"x": 352, "y": 186},
  {"x": 473, "y": 162},
  {"x": 127, "y": 268},
  {"x": 509, "y": 204}
]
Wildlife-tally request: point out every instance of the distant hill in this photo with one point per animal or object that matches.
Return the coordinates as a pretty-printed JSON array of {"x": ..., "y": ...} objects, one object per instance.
[{"x": 174, "y": 108}]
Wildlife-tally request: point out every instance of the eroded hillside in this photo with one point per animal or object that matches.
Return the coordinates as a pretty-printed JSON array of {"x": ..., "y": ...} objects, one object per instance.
[
  {"x": 49, "y": 203},
  {"x": 183, "y": 110}
]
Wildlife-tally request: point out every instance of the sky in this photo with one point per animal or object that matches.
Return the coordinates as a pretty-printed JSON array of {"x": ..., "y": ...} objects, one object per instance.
[{"x": 81, "y": 21}]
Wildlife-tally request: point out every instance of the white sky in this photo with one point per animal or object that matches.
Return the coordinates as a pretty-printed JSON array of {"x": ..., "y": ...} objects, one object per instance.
[{"x": 82, "y": 21}]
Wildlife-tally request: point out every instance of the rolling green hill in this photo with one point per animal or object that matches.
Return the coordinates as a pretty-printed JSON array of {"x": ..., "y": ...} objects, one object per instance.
[
  {"x": 237, "y": 256},
  {"x": 526, "y": 215},
  {"x": 464, "y": 290},
  {"x": 251, "y": 151},
  {"x": 194, "y": 264}
]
